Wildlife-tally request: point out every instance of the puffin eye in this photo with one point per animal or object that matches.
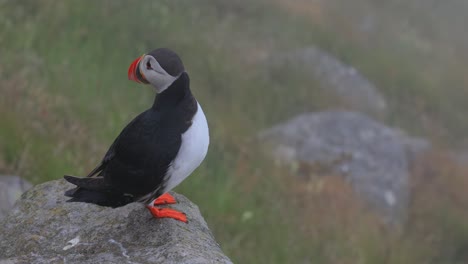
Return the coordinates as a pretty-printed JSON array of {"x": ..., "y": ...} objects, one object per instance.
[{"x": 148, "y": 66}]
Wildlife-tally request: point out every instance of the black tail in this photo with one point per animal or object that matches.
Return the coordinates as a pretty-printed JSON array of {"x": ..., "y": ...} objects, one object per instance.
[
  {"x": 94, "y": 184},
  {"x": 96, "y": 191}
]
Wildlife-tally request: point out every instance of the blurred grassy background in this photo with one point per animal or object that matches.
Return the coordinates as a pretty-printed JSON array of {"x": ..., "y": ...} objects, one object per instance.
[{"x": 65, "y": 96}]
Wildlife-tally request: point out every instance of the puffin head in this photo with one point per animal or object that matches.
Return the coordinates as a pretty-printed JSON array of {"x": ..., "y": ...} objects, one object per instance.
[{"x": 160, "y": 68}]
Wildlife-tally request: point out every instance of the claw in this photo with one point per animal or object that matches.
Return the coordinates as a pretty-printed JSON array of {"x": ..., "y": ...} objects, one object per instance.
[
  {"x": 165, "y": 199},
  {"x": 167, "y": 213}
]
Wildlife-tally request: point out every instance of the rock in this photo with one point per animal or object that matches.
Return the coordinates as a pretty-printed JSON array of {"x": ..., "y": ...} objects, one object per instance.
[
  {"x": 11, "y": 188},
  {"x": 373, "y": 158},
  {"x": 343, "y": 80},
  {"x": 43, "y": 228},
  {"x": 460, "y": 156}
]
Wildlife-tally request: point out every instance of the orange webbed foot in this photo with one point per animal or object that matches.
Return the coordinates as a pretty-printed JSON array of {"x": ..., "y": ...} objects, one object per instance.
[
  {"x": 165, "y": 199},
  {"x": 167, "y": 213}
]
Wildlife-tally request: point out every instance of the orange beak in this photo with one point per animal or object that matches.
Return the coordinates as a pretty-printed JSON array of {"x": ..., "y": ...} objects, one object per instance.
[{"x": 134, "y": 72}]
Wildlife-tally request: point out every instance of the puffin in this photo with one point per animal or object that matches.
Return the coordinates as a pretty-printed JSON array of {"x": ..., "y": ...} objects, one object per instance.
[{"x": 157, "y": 150}]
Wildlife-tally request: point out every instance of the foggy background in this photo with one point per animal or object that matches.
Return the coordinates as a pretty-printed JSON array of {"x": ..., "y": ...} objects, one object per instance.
[{"x": 338, "y": 128}]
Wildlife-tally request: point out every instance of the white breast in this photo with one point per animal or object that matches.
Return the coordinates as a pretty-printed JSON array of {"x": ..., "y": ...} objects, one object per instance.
[{"x": 192, "y": 151}]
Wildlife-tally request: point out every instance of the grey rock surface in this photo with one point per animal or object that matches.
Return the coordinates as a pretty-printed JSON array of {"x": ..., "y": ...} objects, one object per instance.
[
  {"x": 11, "y": 188},
  {"x": 343, "y": 80},
  {"x": 460, "y": 156},
  {"x": 44, "y": 228},
  {"x": 373, "y": 158}
]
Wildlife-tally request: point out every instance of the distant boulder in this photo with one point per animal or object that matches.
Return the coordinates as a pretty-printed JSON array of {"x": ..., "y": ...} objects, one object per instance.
[
  {"x": 355, "y": 90},
  {"x": 11, "y": 188},
  {"x": 372, "y": 157},
  {"x": 43, "y": 228}
]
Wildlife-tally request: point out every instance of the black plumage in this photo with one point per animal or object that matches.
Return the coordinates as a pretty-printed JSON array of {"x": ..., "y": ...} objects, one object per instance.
[
  {"x": 169, "y": 60},
  {"x": 135, "y": 166}
]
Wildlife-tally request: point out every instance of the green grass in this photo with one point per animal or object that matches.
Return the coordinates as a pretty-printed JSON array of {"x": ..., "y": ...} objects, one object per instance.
[
  {"x": 65, "y": 96},
  {"x": 69, "y": 60}
]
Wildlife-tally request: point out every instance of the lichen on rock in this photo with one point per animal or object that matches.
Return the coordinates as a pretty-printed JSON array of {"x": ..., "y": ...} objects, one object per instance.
[{"x": 44, "y": 228}]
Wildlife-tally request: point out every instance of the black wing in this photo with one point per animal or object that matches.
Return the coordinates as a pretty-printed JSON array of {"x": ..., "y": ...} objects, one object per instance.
[
  {"x": 102, "y": 165},
  {"x": 111, "y": 151},
  {"x": 137, "y": 161},
  {"x": 140, "y": 157}
]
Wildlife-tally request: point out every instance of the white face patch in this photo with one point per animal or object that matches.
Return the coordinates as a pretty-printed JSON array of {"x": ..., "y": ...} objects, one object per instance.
[{"x": 155, "y": 74}]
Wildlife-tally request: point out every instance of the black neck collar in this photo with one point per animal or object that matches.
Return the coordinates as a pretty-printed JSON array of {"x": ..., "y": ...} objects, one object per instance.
[{"x": 178, "y": 91}]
